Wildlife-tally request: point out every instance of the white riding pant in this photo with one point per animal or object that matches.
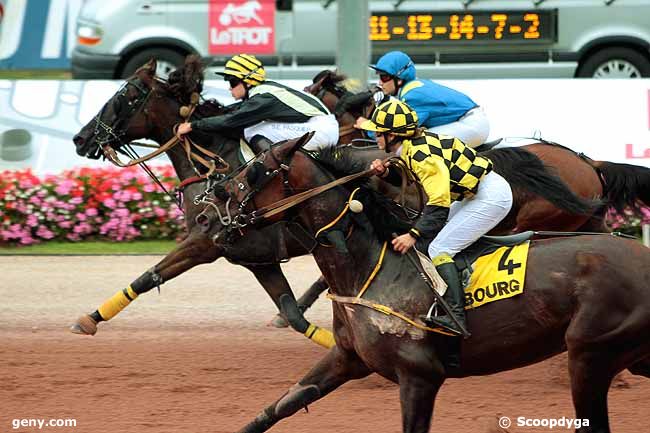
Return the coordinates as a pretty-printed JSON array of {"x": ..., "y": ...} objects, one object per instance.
[
  {"x": 473, "y": 217},
  {"x": 325, "y": 126},
  {"x": 472, "y": 129}
]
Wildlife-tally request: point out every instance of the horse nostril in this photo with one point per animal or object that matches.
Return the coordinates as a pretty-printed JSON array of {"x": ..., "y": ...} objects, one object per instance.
[
  {"x": 202, "y": 219},
  {"x": 204, "y": 222},
  {"x": 78, "y": 140}
]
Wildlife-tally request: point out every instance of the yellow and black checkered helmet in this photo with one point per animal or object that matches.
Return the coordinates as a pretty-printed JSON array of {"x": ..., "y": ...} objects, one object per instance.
[
  {"x": 245, "y": 67},
  {"x": 393, "y": 116}
]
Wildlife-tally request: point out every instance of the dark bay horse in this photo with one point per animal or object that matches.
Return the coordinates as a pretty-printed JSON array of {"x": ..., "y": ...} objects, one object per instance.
[
  {"x": 155, "y": 119},
  {"x": 147, "y": 107},
  {"x": 588, "y": 295}
]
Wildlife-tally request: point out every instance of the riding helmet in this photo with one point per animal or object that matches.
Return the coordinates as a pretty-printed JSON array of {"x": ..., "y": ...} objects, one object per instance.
[
  {"x": 393, "y": 116},
  {"x": 245, "y": 67}
]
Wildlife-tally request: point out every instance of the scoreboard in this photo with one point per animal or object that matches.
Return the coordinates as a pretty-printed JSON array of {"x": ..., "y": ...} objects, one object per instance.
[{"x": 464, "y": 27}]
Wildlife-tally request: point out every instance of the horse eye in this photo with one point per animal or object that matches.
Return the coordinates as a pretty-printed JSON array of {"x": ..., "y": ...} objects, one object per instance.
[
  {"x": 241, "y": 186},
  {"x": 117, "y": 105}
]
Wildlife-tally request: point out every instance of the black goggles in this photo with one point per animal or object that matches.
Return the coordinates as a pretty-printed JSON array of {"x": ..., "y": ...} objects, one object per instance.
[{"x": 233, "y": 81}]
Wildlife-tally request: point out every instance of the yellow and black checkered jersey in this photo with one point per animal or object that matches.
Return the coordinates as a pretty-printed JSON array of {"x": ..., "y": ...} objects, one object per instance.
[{"x": 448, "y": 169}]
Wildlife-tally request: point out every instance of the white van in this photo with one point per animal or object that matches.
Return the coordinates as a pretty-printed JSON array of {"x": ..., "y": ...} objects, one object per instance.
[{"x": 446, "y": 38}]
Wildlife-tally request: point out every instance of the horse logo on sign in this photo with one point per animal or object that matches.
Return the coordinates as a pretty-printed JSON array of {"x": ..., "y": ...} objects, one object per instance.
[
  {"x": 241, "y": 14},
  {"x": 242, "y": 26}
]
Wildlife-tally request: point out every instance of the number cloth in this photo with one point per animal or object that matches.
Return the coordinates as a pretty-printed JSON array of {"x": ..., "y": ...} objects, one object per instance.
[{"x": 497, "y": 275}]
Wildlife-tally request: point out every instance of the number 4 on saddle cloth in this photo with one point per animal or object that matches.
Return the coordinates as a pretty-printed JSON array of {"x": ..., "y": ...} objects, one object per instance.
[{"x": 493, "y": 268}]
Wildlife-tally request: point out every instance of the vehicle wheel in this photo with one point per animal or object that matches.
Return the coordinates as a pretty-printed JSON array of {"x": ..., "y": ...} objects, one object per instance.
[
  {"x": 615, "y": 62},
  {"x": 167, "y": 61}
]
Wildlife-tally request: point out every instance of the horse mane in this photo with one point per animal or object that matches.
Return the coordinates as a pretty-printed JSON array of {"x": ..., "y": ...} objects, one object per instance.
[
  {"x": 184, "y": 81},
  {"x": 381, "y": 214}
]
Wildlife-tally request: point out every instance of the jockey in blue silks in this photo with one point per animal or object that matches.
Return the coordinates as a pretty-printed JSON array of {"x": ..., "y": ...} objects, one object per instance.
[{"x": 439, "y": 109}]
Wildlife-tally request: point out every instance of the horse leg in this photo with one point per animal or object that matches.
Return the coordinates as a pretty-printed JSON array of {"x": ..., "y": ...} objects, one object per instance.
[
  {"x": 335, "y": 369},
  {"x": 608, "y": 330},
  {"x": 276, "y": 285},
  {"x": 194, "y": 250},
  {"x": 305, "y": 301},
  {"x": 417, "y": 397},
  {"x": 590, "y": 381}
]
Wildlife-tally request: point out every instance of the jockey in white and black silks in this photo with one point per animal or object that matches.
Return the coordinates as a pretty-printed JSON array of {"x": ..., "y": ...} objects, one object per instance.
[
  {"x": 268, "y": 109},
  {"x": 466, "y": 198},
  {"x": 440, "y": 109}
]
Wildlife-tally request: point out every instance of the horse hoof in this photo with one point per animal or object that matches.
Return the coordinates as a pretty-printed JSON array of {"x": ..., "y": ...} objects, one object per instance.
[
  {"x": 279, "y": 321},
  {"x": 85, "y": 326}
]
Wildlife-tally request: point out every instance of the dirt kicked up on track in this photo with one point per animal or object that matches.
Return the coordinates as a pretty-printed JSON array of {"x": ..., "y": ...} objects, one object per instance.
[{"x": 200, "y": 357}]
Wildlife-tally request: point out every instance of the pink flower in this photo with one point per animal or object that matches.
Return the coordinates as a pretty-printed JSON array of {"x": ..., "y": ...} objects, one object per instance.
[{"x": 109, "y": 203}]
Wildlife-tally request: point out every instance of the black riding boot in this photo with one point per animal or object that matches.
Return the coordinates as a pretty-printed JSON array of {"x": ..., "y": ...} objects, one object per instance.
[{"x": 454, "y": 296}]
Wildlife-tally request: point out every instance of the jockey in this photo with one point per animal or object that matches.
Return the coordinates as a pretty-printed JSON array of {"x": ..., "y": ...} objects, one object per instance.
[
  {"x": 440, "y": 109},
  {"x": 268, "y": 109},
  {"x": 466, "y": 198}
]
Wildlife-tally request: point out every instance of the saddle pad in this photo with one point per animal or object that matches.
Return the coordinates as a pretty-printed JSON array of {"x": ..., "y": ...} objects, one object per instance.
[
  {"x": 432, "y": 272},
  {"x": 245, "y": 152},
  {"x": 498, "y": 275}
]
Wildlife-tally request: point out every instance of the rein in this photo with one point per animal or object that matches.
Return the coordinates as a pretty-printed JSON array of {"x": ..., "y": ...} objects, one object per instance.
[{"x": 294, "y": 200}]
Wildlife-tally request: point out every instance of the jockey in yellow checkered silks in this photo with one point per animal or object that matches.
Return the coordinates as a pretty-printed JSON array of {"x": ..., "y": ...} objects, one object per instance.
[{"x": 466, "y": 198}]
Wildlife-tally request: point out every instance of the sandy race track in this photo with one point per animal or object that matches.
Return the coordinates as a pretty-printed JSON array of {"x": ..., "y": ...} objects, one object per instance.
[{"x": 200, "y": 358}]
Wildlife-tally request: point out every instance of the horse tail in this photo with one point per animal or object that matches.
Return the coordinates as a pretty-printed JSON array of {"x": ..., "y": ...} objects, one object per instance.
[
  {"x": 524, "y": 170},
  {"x": 624, "y": 184}
]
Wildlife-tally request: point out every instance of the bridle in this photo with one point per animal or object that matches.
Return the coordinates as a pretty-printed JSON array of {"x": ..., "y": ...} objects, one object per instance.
[
  {"x": 105, "y": 134},
  {"x": 231, "y": 188}
]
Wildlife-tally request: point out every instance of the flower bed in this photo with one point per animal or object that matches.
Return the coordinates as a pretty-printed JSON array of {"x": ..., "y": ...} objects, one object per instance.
[
  {"x": 629, "y": 221},
  {"x": 119, "y": 205},
  {"x": 87, "y": 203}
]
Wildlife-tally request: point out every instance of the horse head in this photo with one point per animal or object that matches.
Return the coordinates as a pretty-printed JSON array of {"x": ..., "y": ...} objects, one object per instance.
[
  {"x": 145, "y": 106},
  {"x": 259, "y": 185},
  {"x": 327, "y": 86}
]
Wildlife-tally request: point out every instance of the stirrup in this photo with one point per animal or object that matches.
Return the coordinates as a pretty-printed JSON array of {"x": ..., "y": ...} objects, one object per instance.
[{"x": 448, "y": 324}]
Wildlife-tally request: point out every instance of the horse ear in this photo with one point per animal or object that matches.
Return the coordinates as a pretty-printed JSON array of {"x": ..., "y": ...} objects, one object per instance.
[
  {"x": 302, "y": 141},
  {"x": 150, "y": 67},
  {"x": 147, "y": 71},
  {"x": 293, "y": 145}
]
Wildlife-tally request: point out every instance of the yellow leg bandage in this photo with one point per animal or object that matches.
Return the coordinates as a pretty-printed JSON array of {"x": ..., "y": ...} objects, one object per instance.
[
  {"x": 320, "y": 336},
  {"x": 441, "y": 259},
  {"x": 117, "y": 303}
]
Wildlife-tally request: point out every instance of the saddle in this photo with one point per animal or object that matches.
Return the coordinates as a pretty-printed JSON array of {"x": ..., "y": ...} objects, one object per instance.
[{"x": 485, "y": 245}]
